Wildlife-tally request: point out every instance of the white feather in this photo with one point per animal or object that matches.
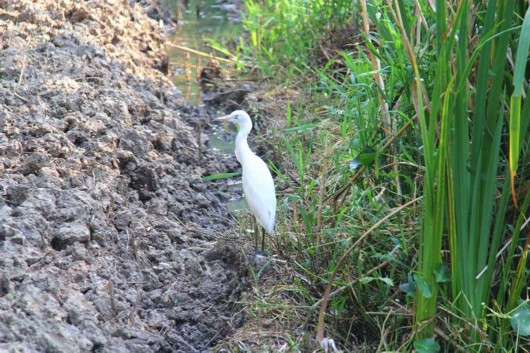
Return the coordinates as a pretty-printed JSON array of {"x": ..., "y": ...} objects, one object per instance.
[
  {"x": 258, "y": 184},
  {"x": 260, "y": 194}
]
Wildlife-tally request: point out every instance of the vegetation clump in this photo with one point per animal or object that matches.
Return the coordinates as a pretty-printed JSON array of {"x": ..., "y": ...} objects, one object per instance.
[{"x": 404, "y": 174}]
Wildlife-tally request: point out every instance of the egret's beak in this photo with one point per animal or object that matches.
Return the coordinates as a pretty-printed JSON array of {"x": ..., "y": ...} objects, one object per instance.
[{"x": 223, "y": 118}]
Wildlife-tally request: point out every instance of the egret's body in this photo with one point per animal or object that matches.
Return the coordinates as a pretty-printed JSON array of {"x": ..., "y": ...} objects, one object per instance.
[{"x": 258, "y": 185}]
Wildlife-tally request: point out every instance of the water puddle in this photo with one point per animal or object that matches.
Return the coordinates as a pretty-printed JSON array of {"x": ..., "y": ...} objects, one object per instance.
[{"x": 198, "y": 22}]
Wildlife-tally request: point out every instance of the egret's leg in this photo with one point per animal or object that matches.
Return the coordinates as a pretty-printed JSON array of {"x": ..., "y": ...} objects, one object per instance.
[
  {"x": 262, "y": 240},
  {"x": 256, "y": 234}
]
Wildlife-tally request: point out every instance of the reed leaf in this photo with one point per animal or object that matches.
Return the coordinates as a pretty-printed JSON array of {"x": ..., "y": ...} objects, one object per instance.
[{"x": 515, "y": 101}]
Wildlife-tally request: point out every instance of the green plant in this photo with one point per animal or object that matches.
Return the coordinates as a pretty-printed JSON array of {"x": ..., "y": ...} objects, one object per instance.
[
  {"x": 425, "y": 102},
  {"x": 462, "y": 122},
  {"x": 284, "y": 32}
]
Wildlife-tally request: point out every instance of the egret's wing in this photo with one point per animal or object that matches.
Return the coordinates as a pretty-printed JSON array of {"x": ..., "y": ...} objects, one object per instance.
[{"x": 260, "y": 193}]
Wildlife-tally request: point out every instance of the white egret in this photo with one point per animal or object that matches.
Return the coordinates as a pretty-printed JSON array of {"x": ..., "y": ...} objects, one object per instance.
[{"x": 258, "y": 185}]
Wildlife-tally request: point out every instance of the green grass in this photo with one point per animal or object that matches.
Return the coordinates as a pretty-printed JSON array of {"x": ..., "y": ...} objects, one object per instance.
[{"x": 420, "y": 244}]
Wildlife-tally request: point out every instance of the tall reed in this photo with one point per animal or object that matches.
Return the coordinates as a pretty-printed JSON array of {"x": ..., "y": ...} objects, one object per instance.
[{"x": 466, "y": 121}]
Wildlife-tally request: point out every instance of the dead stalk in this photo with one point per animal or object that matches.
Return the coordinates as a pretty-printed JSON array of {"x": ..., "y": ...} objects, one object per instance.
[
  {"x": 113, "y": 307},
  {"x": 196, "y": 52},
  {"x": 134, "y": 310}
]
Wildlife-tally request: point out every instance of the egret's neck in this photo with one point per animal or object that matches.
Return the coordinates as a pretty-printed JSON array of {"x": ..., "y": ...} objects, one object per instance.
[{"x": 242, "y": 148}]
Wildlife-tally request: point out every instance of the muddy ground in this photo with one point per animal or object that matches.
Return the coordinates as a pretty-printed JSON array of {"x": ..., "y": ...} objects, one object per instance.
[{"x": 109, "y": 237}]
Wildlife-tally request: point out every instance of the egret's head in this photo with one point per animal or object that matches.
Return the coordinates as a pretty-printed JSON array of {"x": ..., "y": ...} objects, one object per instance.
[{"x": 238, "y": 117}]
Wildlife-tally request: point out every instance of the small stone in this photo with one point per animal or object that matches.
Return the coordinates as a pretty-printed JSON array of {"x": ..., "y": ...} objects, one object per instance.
[
  {"x": 202, "y": 201},
  {"x": 18, "y": 238},
  {"x": 6, "y": 231},
  {"x": 162, "y": 266},
  {"x": 70, "y": 233},
  {"x": 16, "y": 195},
  {"x": 34, "y": 162}
]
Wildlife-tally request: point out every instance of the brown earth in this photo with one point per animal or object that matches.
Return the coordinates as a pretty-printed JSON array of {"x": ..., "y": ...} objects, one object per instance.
[{"x": 108, "y": 234}]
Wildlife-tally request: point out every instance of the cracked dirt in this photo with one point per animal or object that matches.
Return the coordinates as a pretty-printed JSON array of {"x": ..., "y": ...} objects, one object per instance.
[{"x": 108, "y": 234}]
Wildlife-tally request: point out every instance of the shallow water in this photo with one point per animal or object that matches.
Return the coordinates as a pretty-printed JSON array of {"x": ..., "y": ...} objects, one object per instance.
[{"x": 198, "y": 22}]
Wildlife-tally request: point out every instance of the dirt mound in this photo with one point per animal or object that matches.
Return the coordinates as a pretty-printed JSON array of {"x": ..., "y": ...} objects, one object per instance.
[{"x": 107, "y": 231}]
